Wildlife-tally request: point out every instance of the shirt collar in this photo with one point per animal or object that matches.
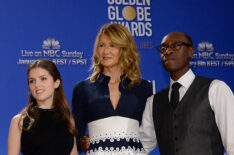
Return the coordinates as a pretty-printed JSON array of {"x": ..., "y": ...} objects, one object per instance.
[{"x": 185, "y": 80}]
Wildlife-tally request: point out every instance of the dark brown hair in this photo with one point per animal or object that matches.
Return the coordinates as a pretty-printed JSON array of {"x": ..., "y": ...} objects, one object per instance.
[{"x": 60, "y": 104}]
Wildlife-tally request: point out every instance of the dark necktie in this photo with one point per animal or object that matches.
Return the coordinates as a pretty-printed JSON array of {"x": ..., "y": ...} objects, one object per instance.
[{"x": 175, "y": 95}]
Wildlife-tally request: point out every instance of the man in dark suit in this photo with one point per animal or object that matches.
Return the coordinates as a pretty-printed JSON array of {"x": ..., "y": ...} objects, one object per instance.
[{"x": 194, "y": 115}]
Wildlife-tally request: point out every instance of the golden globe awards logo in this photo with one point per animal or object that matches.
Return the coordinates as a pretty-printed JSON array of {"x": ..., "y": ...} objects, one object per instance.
[{"x": 133, "y": 14}]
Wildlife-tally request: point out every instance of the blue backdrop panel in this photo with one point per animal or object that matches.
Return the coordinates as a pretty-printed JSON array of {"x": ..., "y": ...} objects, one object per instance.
[{"x": 64, "y": 32}]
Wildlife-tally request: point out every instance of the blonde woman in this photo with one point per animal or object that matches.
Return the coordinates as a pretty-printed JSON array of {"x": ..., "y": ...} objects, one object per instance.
[{"x": 111, "y": 101}]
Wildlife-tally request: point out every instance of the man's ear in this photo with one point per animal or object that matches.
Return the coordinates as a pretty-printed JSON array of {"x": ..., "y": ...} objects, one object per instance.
[{"x": 191, "y": 51}]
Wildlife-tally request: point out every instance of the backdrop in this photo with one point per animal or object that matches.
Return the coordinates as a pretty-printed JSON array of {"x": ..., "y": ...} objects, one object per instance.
[{"x": 64, "y": 32}]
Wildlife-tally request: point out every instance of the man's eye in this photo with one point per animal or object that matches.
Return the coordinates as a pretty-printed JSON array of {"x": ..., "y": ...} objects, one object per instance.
[
  {"x": 173, "y": 45},
  {"x": 163, "y": 48}
]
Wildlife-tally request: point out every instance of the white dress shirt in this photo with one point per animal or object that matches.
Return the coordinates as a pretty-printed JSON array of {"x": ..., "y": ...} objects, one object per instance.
[{"x": 221, "y": 101}]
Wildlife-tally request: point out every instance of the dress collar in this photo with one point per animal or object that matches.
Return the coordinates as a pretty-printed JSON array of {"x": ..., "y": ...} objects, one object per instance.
[{"x": 105, "y": 79}]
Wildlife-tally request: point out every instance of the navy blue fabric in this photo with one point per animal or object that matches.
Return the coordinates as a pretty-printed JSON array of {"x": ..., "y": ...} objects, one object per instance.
[{"x": 91, "y": 101}]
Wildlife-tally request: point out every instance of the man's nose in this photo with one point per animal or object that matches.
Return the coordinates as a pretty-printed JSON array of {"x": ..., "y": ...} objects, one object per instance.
[{"x": 168, "y": 51}]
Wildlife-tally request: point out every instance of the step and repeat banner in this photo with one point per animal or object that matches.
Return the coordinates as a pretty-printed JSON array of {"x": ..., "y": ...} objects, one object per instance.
[{"x": 64, "y": 31}]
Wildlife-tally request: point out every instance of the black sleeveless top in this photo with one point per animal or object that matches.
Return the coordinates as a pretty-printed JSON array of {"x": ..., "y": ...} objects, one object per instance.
[{"x": 47, "y": 136}]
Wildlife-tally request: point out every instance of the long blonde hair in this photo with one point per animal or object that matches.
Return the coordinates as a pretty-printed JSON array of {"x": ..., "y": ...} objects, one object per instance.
[{"x": 129, "y": 56}]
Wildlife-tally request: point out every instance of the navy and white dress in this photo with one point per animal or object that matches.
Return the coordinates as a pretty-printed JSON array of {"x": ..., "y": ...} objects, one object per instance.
[{"x": 111, "y": 131}]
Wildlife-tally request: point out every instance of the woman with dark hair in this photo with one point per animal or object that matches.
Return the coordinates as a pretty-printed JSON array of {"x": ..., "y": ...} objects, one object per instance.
[
  {"x": 45, "y": 126},
  {"x": 111, "y": 101}
]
